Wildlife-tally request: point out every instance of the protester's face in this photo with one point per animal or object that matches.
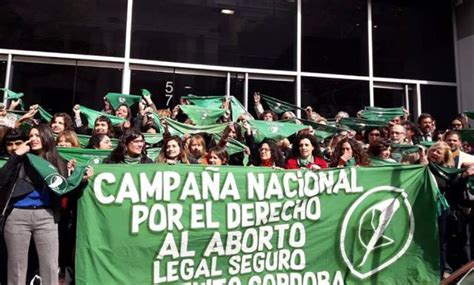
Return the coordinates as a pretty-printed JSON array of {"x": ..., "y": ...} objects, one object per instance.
[
  {"x": 286, "y": 116},
  {"x": 11, "y": 146},
  {"x": 196, "y": 148},
  {"x": 467, "y": 147},
  {"x": 63, "y": 142},
  {"x": 232, "y": 133},
  {"x": 456, "y": 125},
  {"x": 373, "y": 136},
  {"x": 267, "y": 117},
  {"x": 101, "y": 127},
  {"x": 397, "y": 134},
  {"x": 395, "y": 121},
  {"x": 122, "y": 112},
  {"x": 346, "y": 149},
  {"x": 35, "y": 140},
  {"x": 453, "y": 141},
  {"x": 105, "y": 143},
  {"x": 306, "y": 148},
  {"x": 135, "y": 147},
  {"x": 385, "y": 154},
  {"x": 172, "y": 149},
  {"x": 214, "y": 159},
  {"x": 437, "y": 156},
  {"x": 409, "y": 132},
  {"x": 58, "y": 125},
  {"x": 426, "y": 125},
  {"x": 265, "y": 152},
  {"x": 3, "y": 111}
]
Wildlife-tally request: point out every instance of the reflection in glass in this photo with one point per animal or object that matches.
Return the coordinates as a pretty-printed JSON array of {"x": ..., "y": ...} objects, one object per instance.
[
  {"x": 51, "y": 86},
  {"x": 441, "y": 102},
  {"x": 177, "y": 85},
  {"x": 282, "y": 90},
  {"x": 259, "y": 34},
  {"x": 329, "y": 96},
  {"x": 335, "y": 37},
  {"x": 92, "y": 84},
  {"x": 413, "y": 39},
  {"x": 73, "y": 26}
]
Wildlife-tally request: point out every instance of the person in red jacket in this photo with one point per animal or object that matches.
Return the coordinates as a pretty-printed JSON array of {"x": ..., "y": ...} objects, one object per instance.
[{"x": 305, "y": 154}]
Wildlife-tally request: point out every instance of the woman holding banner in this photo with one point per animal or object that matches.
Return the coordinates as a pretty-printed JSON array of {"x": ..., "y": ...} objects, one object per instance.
[{"x": 32, "y": 206}]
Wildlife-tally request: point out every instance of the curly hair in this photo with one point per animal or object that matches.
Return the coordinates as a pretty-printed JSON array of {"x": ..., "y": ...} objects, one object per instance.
[
  {"x": 68, "y": 123},
  {"x": 274, "y": 152},
  {"x": 295, "y": 148},
  {"x": 357, "y": 152}
]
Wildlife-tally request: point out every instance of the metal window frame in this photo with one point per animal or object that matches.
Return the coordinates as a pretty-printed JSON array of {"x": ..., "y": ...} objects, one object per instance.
[{"x": 128, "y": 64}]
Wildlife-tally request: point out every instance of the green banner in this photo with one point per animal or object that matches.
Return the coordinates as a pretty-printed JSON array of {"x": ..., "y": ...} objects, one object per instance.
[{"x": 192, "y": 224}]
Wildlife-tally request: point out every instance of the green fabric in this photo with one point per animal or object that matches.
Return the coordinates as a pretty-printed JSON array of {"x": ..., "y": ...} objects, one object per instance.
[
  {"x": 51, "y": 176},
  {"x": 376, "y": 161},
  {"x": 359, "y": 124},
  {"x": 92, "y": 115},
  {"x": 382, "y": 114},
  {"x": 44, "y": 114},
  {"x": 14, "y": 96},
  {"x": 201, "y": 115},
  {"x": 237, "y": 109},
  {"x": 470, "y": 115},
  {"x": 153, "y": 138},
  {"x": 279, "y": 106},
  {"x": 153, "y": 153},
  {"x": 145, "y": 92},
  {"x": 427, "y": 144},
  {"x": 450, "y": 173},
  {"x": 399, "y": 151},
  {"x": 181, "y": 128},
  {"x": 273, "y": 130},
  {"x": 467, "y": 135},
  {"x": 233, "y": 146},
  {"x": 84, "y": 156},
  {"x": 344, "y": 226},
  {"x": 214, "y": 102},
  {"x": 116, "y": 99},
  {"x": 132, "y": 160},
  {"x": 322, "y": 131}
]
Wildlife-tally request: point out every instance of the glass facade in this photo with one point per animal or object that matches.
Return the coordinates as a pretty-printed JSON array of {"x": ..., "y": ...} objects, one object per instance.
[{"x": 182, "y": 47}]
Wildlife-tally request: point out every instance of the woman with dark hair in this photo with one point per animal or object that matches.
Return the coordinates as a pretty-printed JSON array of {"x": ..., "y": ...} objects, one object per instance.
[
  {"x": 233, "y": 131},
  {"x": 12, "y": 140},
  {"x": 268, "y": 155},
  {"x": 130, "y": 149},
  {"x": 103, "y": 125},
  {"x": 33, "y": 208},
  {"x": 305, "y": 154},
  {"x": 217, "y": 156},
  {"x": 381, "y": 150},
  {"x": 348, "y": 152},
  {"x": 458, "y": 123},
  {"x": 99, "y": 141},
  {"x": 172, "y": 151},
  {"x": 61, "y": 122},
  {"x": 372, "y": 134}
]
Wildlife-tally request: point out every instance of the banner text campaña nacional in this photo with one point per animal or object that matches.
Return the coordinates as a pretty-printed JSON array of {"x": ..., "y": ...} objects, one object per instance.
[{"x": 160, "y": 224}]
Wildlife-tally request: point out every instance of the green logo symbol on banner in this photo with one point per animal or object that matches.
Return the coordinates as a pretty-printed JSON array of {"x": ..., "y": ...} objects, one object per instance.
[
  {"x": 368, "y": 243},
  {"x": 56, "y": 182},
  {"x": 122, "y": 100}
]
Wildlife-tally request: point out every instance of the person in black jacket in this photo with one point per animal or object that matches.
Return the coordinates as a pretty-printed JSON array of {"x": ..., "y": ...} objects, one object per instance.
[{"x": 32, "y": 208}]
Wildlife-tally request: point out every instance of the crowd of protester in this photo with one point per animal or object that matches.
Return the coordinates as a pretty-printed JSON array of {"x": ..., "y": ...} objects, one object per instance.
[{"x": 31, "y": 212}]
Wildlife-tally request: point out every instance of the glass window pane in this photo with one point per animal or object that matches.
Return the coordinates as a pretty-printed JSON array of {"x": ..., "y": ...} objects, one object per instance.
[
  {"x": 51, "y": 86},
  {"x": 260, "y": 34},
  {"x": 3, "y": 70},
  {"x": 335, "y": 37},
  {"x": 92, "y": 84},
  {"x": 175, "y": 86},
  {"x": 73, "y": 26},
  {"x": 441, "y": 102},
  {"x": 329, "y": 96},
  {"x": 282, "y": 90},
  {"x": 413, "y": 39}
]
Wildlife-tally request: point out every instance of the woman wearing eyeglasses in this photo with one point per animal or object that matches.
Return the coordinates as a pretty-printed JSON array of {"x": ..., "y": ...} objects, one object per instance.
[
  {"x": 130, "y": 149},
  {"x": 268, "y": 155}
]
